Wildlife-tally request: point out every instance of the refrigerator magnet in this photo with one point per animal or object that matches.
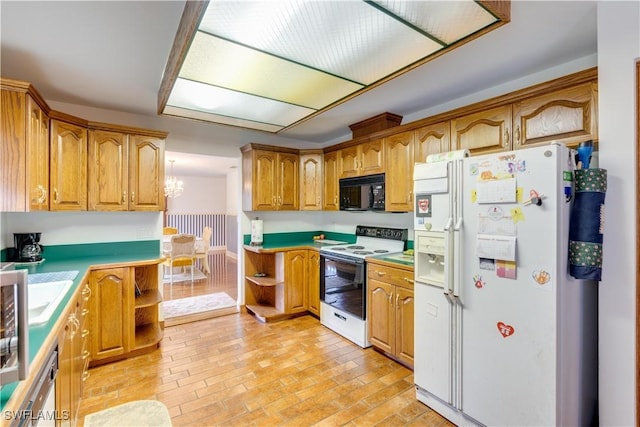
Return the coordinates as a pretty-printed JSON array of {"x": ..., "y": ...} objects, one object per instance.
[
  {"x": 517, "y": 215},
  {"x": 423, "y": 205},
  {"x": 478, "y": 282},
  {"x": 541, "y": 277},
  {"x": 506, "y": 269},
  {"x": 505, "y": 330}
]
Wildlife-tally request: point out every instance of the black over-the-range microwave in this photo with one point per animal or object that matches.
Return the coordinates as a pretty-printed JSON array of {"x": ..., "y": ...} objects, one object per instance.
[{"x": 364, "y": 193}]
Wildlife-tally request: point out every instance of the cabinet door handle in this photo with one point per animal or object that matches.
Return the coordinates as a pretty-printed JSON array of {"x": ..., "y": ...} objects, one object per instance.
[
  {"x": 43, "y": 194},
  {"x": 86, "y": 292},
  {"x": 516, "y": 135},
  {"x": 406, "y": 279},
  {"x": 56, "y": 199},
  {"x": 124, "y": 198},
  {"x": 381, "y": 273},
  {"x": 398, "y": 302},
  {"x": 506, "y": 137},
  {"x": 274, "y": 200},
  {"x": 133, "y": 197}
]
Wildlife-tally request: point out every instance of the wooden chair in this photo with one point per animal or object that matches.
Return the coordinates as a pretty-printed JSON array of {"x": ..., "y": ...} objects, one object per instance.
[
  {"x": 169, "y": 230},
  {"x": 203, "y": 252},
  {"x": 183, "y": 253}
]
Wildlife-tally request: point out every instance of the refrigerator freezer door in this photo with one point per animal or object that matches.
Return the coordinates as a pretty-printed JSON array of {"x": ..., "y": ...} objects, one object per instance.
[{"x": 433, "y": 341}]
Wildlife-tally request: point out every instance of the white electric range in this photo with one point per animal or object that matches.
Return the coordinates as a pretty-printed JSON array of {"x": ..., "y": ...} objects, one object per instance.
[{"x": 343, "y": 283}]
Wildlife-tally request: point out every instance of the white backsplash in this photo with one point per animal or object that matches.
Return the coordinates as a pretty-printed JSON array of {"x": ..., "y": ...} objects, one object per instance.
[{"x": 62, "y": 228}]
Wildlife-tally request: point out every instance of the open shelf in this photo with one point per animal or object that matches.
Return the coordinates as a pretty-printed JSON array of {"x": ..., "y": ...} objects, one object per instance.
[
  {"x": 264, "y": 281},
  {"x": 147, "y": 335},
  {"x": 265, "y": 313},
  {"x": 148, "y": 298}
]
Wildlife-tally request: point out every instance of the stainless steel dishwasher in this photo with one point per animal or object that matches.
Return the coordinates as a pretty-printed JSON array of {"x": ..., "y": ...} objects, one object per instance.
[{"x": 39, "y": 408}]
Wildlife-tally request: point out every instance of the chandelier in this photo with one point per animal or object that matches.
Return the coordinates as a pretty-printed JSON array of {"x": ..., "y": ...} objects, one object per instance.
[{"x": 172, "y": 185}]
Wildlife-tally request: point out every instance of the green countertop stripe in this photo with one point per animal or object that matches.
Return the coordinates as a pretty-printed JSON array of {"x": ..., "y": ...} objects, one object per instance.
[{"x": 274, "y": 240}]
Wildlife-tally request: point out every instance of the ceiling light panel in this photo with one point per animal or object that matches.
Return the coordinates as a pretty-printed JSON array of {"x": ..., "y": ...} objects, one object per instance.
[
  {"x": 170, "y": 110},
  {"x": 351, "y": 39},
  {"x": 198, "y": 96},
  {"x": 448, "y": 21},
  {"x": 247, "y": 70}
]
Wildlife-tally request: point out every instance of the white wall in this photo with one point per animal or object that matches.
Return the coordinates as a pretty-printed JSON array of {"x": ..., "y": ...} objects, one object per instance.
[
  {"x": 202, "y": 194},
  {"x": 618, "y": 47},
  {"x": 64, "y": 228}
]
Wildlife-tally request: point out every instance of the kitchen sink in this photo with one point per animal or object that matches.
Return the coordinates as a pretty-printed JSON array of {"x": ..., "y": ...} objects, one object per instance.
[
  {"x": 45, "y": 291},
  {"x": 44, "y": 298}
]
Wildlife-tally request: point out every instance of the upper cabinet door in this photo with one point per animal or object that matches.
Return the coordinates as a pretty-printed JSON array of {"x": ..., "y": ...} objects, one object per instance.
[
  {"x": 432, "y": 139},
  {"x": 68, "y": 167},
  {"x": 484, "y": 132},
  {"x": 146, "y": 173},
  {"x": 108, "y": 171},
  {"x": 372, "y": 157},
  {"x": 348, "y": 161},
  {"x": 569, "y": 116},
  {"x": 264, "y": 185},
  {"x": 331, "y": 182},
  {"x": 38, "y": 157},
  {"x": 311, "y": 181},
  {"x": 399, "y": 174},
  {"x": 288, "y": 178}
]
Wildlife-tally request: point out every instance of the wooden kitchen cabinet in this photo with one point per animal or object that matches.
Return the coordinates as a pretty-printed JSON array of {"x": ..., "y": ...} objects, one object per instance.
[
  {"x": 399, "y": 174},
  {"x": 126, "y": 170},
  {"x": 431, "y": 139},
  {"x": 284, "y": 290},
  {"x": 313, "y": 280},
  {"x": 111, "y": 325},
  {"x": 73, "y": 358},
  {"x": 366, "y": 158},
  {"x": 390, "y": 309},
  {"x": 569, "y": 116},
  {"x": 311, "y": 180},
  {"x": 331, "y": 191},
  {"x": 483, "y": 132},
  {"x": 24, "y": 148},
  {"x": 68, "y": 163},
  {"x": 270, "y": 179},
  {"x": 295, "y": 281},
  {"x": 124, "y": 311}
]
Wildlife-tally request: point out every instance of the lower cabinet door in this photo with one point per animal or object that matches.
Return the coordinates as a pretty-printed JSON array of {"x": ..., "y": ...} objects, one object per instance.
[
  {"x": 110, "y": 310},
  {"x": 381, "y": 315},
  {"x": 404, "y": 325}
]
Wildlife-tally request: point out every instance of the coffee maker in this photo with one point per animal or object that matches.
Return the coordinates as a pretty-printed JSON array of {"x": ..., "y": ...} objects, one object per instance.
[{"x": 27, "y": 247}]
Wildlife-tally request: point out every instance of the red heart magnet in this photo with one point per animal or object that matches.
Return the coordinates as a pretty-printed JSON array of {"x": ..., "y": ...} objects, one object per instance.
[{"x": 505, "y": 330}]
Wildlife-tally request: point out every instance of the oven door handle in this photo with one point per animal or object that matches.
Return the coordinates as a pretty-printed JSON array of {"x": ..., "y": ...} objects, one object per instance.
[{"x": 338, "y": 258}]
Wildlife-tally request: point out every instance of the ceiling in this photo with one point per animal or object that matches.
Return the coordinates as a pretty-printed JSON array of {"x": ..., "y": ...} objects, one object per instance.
[{"x": 111, "y": 55}]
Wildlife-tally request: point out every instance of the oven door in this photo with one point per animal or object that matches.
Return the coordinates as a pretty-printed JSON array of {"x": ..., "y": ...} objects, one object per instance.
[{"x": 342, "y": 284}]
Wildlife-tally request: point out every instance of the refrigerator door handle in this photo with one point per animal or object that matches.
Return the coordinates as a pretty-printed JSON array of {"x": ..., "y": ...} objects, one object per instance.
[
  {"x": 458, "y": 224},
  {"x": 449, "y": 224}
]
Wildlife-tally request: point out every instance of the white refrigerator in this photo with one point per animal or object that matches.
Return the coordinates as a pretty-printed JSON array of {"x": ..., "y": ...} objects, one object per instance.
[{"x": 503, "y": 335}]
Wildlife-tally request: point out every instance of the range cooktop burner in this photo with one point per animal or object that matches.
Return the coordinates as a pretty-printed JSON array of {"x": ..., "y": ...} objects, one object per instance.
[
  {"x": 362, "y": 252},
  {"x": 381, "y": 251},
  {"x": 339, "y": 248},
  {"x": 355, "y": 247}
]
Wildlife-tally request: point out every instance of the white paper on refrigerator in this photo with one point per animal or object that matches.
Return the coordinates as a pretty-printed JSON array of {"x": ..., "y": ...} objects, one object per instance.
[{"x": 496, "y": 247}]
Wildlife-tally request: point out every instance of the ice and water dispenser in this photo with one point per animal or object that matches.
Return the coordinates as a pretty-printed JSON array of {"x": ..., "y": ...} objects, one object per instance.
[{"x": 429, "y": 261}]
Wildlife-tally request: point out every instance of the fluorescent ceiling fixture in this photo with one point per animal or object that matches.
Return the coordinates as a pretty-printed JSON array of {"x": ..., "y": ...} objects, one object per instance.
[{"x": 269, "y": 65}]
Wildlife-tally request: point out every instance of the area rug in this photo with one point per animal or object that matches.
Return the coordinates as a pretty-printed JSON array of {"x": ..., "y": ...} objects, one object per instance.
[
  {"x": 191, "y": 305},
  {"x": 142, "y": 413},
  {"x": 183, "y": 276}
]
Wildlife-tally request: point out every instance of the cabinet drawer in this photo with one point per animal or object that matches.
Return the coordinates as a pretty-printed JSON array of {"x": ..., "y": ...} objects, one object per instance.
[{"x": 390, "y": 275}]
